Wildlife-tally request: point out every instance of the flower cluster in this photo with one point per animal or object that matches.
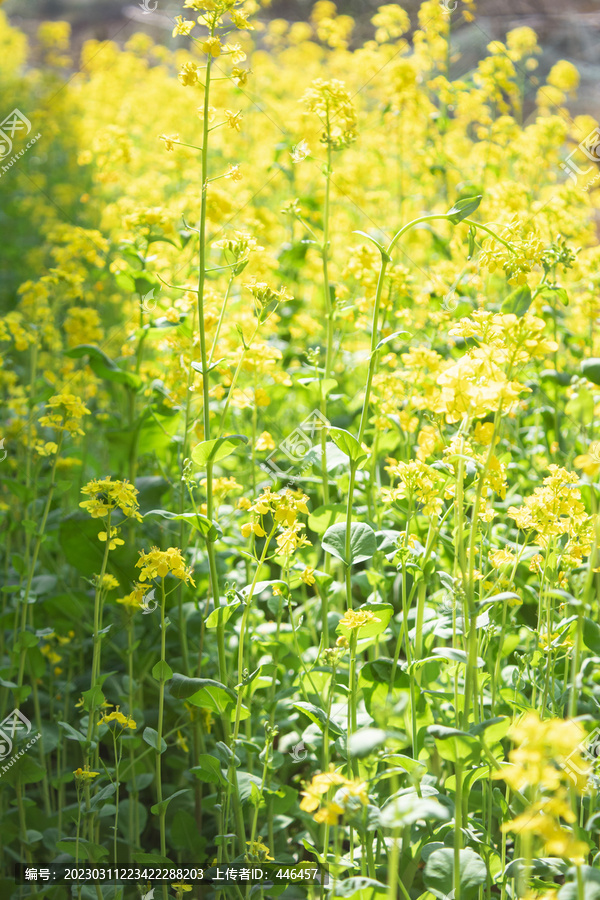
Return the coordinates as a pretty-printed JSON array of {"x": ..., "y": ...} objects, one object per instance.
[
  {"x": 348, "y": 790},
  {"x": 107, "y": 495},
  {"x": 160, "y": 563}
]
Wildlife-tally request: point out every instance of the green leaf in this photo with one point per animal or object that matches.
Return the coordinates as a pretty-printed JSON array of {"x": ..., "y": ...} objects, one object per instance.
[
  {"x": 383, "y": 613},
  {"x": 366, "y": 741},
  {"x": 323, "y": 517},
  {"x": 492, "y": 729},
  {"x": 555, "y": 293},
  {"x": 455, "y": 745},
  {"x": 410, "y": 808},
  {"x": 318, "y": 717},
  {"x": 199, "y": 523},
  {"x": 454, "y": 655},
  {"x": 161, "y": 807},
  {"x": 363, "y": 542},
  {"x": 153, "y": 859},
  {"x": 221, "y": 615},
  {"x": 590, "y": 369},
  {"x": 162, "y": 671},
  {"x": 184, "y": 688},
  {"x": 359, "y": 888},
  {"x": 390, "y": 338},
  {"x": 518, "y": 301},
  {"x": 438, "y": 874},
  {"x": 103, "y": 366},
  {"x": 72, "y": 734},
  {"x": 212, "y": 451},
  {"x": 99, "y": 798},
  {"x": 208, "y": 769},
  {"x": 184, "y": 834},
  {"x": 93, "y": 697},
  {"x": 591, "y": 635},
  {"x": 462, "y": 209},
  {"x": 150, "y": 736},
  {"x": 87, "y": 849},
  {"x": 348, "y": 444},
  {"x": 591, "y": 885},
  {"x": 384, "y": 255}
]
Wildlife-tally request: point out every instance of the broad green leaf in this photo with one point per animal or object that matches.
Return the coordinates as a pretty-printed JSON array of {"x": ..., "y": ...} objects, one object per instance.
[
  {"x": 348, "y": 444},
  {"x": 212, "y": 451},
  {"x": 366, "y": 741},
  {"x": 363, "y": 542},
  {"x": 87, "y": 849},
  {"x": 383, "y": 613},
  {"x": 183, "y": 687},
  {"x": 518, "y": 301},
  {"x": 410, "y": 808},
  {"x": 462, "y": 209},
  {"x": 590, "y": 369},
  {"x": 591, "y": 635},
  {"x": 358, "y": 887},
  {"x": 221, "y": 615},
  {"x": 103, "y": 366},
  {"x": 555, "y": 293},
  {"x": 150, "y": 736},
  {"x": 318, "y": 717},
  {"x": 184, "y": 834},
  {"x": 492, "y": 729},
  {"x": 159, "y": 808},
  {"x": 456, "y": 745},
  {"x": 199, "y": 523},
  {"x": 591, "y": 885},
  {"x": 208, "y": 769},
  {"x": 100, "y": 798},
  {"x": 438, "y": 874},
  {"x": 162, "y": 671},
  {"x": 323, "y": 517},
  {"x": 93, "y": 697},
  {"x": 454, "y": 655},
  {"x": 72, "y": 734}
]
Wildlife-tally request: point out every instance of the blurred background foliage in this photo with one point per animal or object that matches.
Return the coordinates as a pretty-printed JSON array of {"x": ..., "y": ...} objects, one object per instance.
[{"x": 567, "y": 29}]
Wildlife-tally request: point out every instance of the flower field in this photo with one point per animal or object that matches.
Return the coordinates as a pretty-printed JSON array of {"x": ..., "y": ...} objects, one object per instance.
[{"x": 300, "y": 370}]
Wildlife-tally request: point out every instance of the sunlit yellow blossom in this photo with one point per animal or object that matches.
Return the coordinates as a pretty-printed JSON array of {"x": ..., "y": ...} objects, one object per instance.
[{"x": 160, "y": 563}]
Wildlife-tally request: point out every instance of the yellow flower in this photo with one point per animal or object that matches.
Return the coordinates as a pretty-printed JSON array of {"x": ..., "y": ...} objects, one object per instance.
[
  {"x": 329, "y": 814},
  {"x": 107, "y": 495},
  {"x": 234, "y": 173},
  {"x": 499, "y": 558},
  {"x": 183, "y": 26},
  {"x": 234, "y": 119},
  {"x": 257, "y": 851},
  {"x": 564, "y": 76},
  {"x": 307, "y": 575},
  {"x": 114, "y": 541},
  {"x": 354, "y": 619},
  {"x": 169, "y": 140},
  {"x": 119, "y": 718},
  {"x": 189, "y": 74},
  {"x": 211, "y": 46},
  {"x": 160, "y": 563},
  {"x": 264, "y": 442},
  {"x": 67, "y": 413},
  {"x": 134, "y": 600},
  {"x": 82, "y": 775}
]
